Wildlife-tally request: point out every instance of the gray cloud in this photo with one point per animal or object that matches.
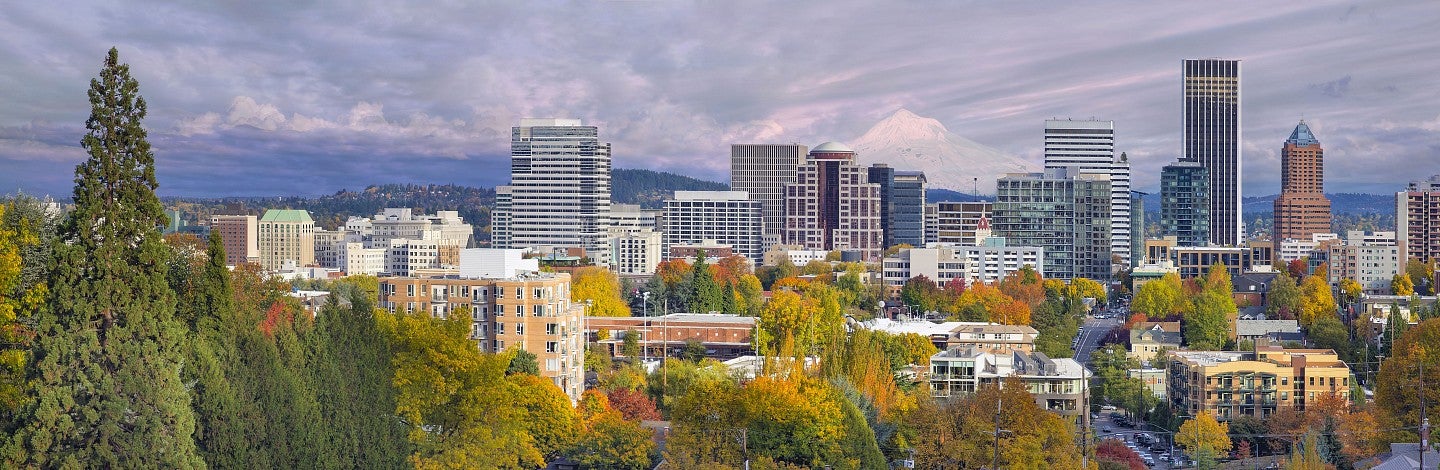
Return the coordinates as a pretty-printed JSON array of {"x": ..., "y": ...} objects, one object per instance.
[{"x": 310, "y": 97}]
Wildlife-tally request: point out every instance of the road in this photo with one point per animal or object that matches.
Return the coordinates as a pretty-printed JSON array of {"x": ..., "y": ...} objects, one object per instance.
[{"x": 1094, "y": 330}]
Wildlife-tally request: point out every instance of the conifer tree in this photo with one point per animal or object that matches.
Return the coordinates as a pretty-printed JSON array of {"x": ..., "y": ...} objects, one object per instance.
[
  {"x": 707, "y": 295},
  {"x": 106, "y": 364},
  {"x": 223, "y": 431}
]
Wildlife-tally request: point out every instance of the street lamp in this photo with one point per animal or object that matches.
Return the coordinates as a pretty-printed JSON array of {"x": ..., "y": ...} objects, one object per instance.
[{"x": 644, "y": 304}]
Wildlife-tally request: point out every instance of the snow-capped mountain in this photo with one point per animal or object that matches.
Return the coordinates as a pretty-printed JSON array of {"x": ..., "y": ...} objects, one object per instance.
[{"x": 906, "y": 141}]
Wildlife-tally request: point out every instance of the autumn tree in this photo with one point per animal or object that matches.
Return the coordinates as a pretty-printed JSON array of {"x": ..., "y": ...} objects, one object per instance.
[
  {"x": 107, "y": 360},
  {"x": 1402, "y": 285},
  {"x": 26, "y": 235},
  {"x": 1350, "y": 290},
  {"x": 1399, "y": 389},
  {"x": 1315, "y": 298},
  {"x": 1203, "y": 434},
  {"x": 1087, "y": 288},
  {"x": 1207, "y": 326},
  {"x": 920, "y": 292},
  {"x": 1284, "y": 295},
  {"x": 601, "y": 288},
  {"x": 1024, "y": 285},
  {"x": 1161, "y": 298},
  {"x": 957, "y": 435},
  {"x": 1112, "y": 454}
]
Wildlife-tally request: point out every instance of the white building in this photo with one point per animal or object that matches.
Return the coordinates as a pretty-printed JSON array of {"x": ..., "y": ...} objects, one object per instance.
[
  {"x": 1291, "y": 249},
  {"x": 629, "y": 217},
  {"x": 728, "y": 217},
  {"x": 356, "y": 258},
  {"x": 1058, "y": 385},
  {"x": 1090, "y": 145},
  {"x": 559, "y": 192},
  {"x": 940, "y": 264},
  {"x": 445, "y": 227},
  {"x": 635, "y": 251},
  {"x": 403, "y": 256},
  {"x": 1370, "y": 258},
  {"x": 286, "y": 237},
  {"x": 956, "y": 222},
  {"x": 797, "y": 255},
  {"x": 495, "y": 263}
]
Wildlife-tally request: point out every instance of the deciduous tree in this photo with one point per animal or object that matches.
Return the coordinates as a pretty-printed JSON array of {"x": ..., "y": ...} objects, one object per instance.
[
  {"x": 1203, "y": 432},
  {"x": 601, "y": 288}
]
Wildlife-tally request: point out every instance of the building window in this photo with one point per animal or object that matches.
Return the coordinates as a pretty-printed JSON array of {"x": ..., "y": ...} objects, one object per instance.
[
  {"x": 519, "y": 328},
  {"x": 552, "y": 346},
  {"x": 499, "y": 328},
  {"x": 500, "y": 310}
]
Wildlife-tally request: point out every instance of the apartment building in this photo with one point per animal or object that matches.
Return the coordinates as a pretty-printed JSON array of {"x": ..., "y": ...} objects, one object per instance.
[
  {"x": 942, "y": 263},
  {"x": 527, "y": 310},
  {"x": 727, "y": 217},
  {"x": 1230, "y": 384},
  {"x": 1058, "y": 385},
  {"x": 240, "y": 235},
  {"x": 286, "y": 237}
]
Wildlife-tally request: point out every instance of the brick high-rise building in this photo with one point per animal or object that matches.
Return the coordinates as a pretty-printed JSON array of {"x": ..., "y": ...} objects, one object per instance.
[
  {"x": 239, "y": 234},
  {"x": 1417, "y": 220},
  {"x": 1302, "y": 209},
  {"x": 832, "y": 205},
  {"x": 763, "y": 170}
]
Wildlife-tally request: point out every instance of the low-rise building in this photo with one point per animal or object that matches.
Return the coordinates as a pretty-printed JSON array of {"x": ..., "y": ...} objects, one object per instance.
[
  {"x": 1148, "y": 338},
  {"x": 1154, "y": 380},
  {"x": 724, "y": 336},
  {"x": 1256, "y": 330},
  {"x": 1252, "y": 288},
  {"x": 982, "y": 336},
  {"x": 1058, "y": 385},
  {"x": 796, "y": 254},
  {"x": 1230, "y": 384},
  {"x": 988, "y": 264}
]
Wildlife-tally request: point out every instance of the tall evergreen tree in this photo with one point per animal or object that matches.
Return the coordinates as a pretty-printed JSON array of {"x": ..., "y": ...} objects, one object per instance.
[
  {"x": 707, "y": 295},
  {"x": 106, "y": 364},
  {"x": 224, "y": 428}
]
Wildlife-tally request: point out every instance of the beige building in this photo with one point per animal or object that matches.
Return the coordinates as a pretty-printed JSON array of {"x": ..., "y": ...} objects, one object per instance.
[
  {"x": 241, "y": 237},
  {"x": 286, "y": 237},
  {"x": 981, "y": 336},
  {"x": 1058, "y": 385},
  {"x": 1148, "y": 338},
  {"x": 832, "y": 205},
  {"x": 724, "y": 336},
  {"x": 1230, "y": 384},
  {"x": 528, "y": 310}
]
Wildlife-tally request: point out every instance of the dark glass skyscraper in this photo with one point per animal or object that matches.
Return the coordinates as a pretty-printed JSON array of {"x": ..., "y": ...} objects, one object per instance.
[
  {"x": 1184, "y": 203},
  {"x": 1212, "y": 138},
  {"x": 902, "y": 204}
]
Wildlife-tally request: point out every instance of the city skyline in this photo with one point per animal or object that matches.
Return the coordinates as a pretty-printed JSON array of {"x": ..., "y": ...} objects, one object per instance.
[{"x": 307, "y": 100}]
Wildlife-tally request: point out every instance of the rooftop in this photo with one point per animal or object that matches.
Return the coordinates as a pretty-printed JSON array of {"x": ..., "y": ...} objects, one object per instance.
[
  {"x": 1264, "y": 327},
  {"x": 831, "y": 147},
  {"x": 1211, "y": 358},
  {"x": 1302, "y": 136},
  {"x": 286, "y": 215}
]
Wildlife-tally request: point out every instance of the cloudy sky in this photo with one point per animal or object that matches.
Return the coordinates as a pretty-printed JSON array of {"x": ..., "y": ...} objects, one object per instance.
[{"x": 309, "y": 97}]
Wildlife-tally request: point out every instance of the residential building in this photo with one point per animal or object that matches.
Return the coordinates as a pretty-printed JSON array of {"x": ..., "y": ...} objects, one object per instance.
[
  {"x": 528, "y": 310},
  {"x": 1291, "y": 249},
  {"x": 727, "y": 217},
  {"x": 942, "y": 263},
  {"x": 763, "y": 171},
  {"x": 713, "y": 250},
  {"x": 327, "y": 249},
  {"x": 1090, "y": 146},
  {"x": 1417, "y": 220},
  {"x": 286, "y": 236},
  {"x": 240, "y": 235},
  {"x": 957, "y": 222},
  {"x": 1154, "y": 380},
  {"x": 1301, "y": 210},
  {"x": 1230, "y": 384},
  {"x": 559, "y": 192},
  {"x": 832, "y": 205},
  {"x": 902, "y": 204},
  {"x": 404, "y": 257},
  {"x": 1148, "y": 338},
  {"x": 1212, "y": 138},
  {"x": 1370, "y": 258},
  {"x": 1266, "y": 330},
  {"x": 355, "y": 258},
  {"x": 445, "y": 227},
  {"x": 724, "y": 336},
  {"x": 1064, "y": 212},
  {"x": 797, "y": 255},
  {"x": 982, "y": 336},
  {"x": 635, "y": 252},
  {"x": 1185, "y": 203},
  {"x": 1058, "y": 385},
  {"x": 1252, "y": 287}
]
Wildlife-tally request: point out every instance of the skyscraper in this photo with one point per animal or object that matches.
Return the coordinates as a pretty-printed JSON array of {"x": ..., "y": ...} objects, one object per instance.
[
  {"x": 286, "y": 237},
  {"x": 1302, "y": 209},
  {"x": 727, "y": 217},
  {"x": 832, "y": 205},
  {"x": 1090, "y": 146},
  {"x": 559, "y": 192},
  {"x": 902, "y": 204},
  {"x": 1063, "y": 211},
  {"x": 1417, "y": 220},
  {"x": 763, "y": 170},
  {"x": 1185, "y": 203},
  {"x": 1212, "y": 138}
]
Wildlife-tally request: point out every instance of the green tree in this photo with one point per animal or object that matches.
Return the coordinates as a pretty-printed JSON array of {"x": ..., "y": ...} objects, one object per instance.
[
  {"x": 920, "y": 292},
  {"x": 1399, "y": 390},
  {"x": 523, "y": 362},
  {"x": 1328, "y": 332},
  {"x": 630, "y": 345},
  {"x": 1284, "y": 294},
  {"x": 751, "y": 294},
  {"x": 1350, "y": 290},
  {"x": 26, "y": 234},
  {"x": 224, "y": 441},
  {"x": 349, "y": 361},
  {"x": 1207, "y": 327},
  {"x": 107, "y": 360},
  {"x": 708, "y": 296}
]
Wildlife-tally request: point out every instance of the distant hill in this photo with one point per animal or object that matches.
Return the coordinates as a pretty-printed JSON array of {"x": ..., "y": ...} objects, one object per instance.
[
  {"x": 1350, "y": 211},
  {"x": 330, "y": 211},
  {"x": 1340, "y": 203},
  {"x": 933, "y": 195},
  {"x": 649, "y": 188}
]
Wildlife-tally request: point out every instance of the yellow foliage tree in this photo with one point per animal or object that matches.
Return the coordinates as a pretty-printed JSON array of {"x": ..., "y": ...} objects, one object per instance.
[
  {"x": 1203, "y": 432},
  {"x": 601, "y": 287},
  {"x": 1161, "y": 298},
  {"x": 1089, "y": 288},
  {"x": 1315, "y": 298}
]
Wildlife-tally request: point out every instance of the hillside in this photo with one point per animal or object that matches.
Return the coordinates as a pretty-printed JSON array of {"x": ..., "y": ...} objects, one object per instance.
[
  {"x": 649, "y": 188},
  {"x": 330, "y": 211}
]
